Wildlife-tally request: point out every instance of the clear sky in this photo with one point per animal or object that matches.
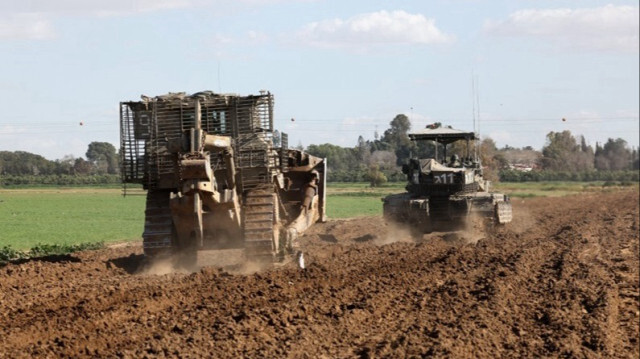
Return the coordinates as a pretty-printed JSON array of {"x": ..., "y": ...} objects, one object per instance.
[{"x": 340, "y": 69}]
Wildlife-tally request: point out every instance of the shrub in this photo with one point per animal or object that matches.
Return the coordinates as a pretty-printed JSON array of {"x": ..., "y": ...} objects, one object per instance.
[{"x": 42, "y": 250}]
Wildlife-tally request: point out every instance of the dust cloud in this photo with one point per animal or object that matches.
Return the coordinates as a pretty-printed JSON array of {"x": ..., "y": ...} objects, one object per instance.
[
  {"x": 475, "y": 228},
  {"x": 163, "y": 266},
  {"x": 396, "y": 232},
  {"x": 523, "y": 220},
  {"x": 232, "y": 261}
]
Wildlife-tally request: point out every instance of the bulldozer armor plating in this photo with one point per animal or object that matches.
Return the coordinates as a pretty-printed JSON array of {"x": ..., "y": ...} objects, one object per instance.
[{"x": 213, "y": 176}]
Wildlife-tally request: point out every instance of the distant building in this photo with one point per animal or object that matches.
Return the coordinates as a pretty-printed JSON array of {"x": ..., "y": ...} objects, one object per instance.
[{"x": 523, "y": 167}]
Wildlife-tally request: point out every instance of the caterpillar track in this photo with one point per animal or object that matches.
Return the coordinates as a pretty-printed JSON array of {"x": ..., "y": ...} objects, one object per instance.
[
  {"x": 158, "y": 225},
  {"x": 261, "y": 225}
]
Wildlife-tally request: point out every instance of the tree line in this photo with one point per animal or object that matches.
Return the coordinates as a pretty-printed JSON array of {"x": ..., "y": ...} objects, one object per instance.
[
  {"x": 563, "y": 157},
  {"x": 102, "y": 159},
  {"x": 101, "y": 166}
]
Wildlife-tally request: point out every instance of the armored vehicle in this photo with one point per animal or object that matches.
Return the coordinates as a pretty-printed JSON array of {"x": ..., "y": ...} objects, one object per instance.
[
  {"x": 217, "y": 175},
  {"x": 443, "y": 193}
]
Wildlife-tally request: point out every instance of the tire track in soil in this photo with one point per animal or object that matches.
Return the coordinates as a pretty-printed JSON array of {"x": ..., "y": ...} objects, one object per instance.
[{"x": 561, "y": 281}]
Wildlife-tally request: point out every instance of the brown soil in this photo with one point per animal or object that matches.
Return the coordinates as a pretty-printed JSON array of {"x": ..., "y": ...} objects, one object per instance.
[{"x": 560, "y": 281}]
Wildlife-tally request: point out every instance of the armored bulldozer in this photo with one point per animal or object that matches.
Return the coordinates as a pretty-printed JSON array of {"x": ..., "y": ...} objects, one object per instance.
[
  {"x": 217, "y": 175},
  {"x": 442, "y": 195}
]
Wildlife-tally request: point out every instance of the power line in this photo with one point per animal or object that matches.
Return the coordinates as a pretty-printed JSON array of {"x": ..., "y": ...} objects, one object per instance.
[
  {"x": 307, "y": 125},
  {"x": 325, "y": 120}
]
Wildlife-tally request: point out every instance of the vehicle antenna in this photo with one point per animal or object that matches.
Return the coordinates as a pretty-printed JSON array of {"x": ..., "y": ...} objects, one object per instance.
[
  {"x": 476, "y": 112},
  {"x": 478, "y": 103},
  {"x": 219, "y": 85},
  {"x": 473, "y": 100}
]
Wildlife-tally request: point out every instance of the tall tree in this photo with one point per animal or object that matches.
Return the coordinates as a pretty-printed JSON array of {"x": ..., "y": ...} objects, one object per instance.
[
  {"x": 563, "y": 153},
  {"x": 398, "y": 139},
  {"x": 363, "y": 150},
  {"x": 614, "y": 156},
  {"x": 585, "y": 158},
  {"x": 103, "y": 156},
  {"x": 488, "y": 152}
]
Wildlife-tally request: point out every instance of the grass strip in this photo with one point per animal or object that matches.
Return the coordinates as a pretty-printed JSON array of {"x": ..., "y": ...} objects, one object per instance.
[{"x": 8, "y": 254}]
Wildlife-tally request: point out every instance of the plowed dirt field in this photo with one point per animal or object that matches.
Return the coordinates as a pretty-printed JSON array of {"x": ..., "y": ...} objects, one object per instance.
[{"x": 560, "y": 281}]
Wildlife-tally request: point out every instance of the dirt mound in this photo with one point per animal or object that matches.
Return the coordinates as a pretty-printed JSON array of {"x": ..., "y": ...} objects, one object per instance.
[{"x": 562, "y": 280}]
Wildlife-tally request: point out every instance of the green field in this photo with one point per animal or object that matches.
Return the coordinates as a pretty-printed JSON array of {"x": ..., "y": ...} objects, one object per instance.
[
  {"x": 558, "y": 189},
  {"x": 345, "y": 200},
  {"x": 70, "y": 216}
]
